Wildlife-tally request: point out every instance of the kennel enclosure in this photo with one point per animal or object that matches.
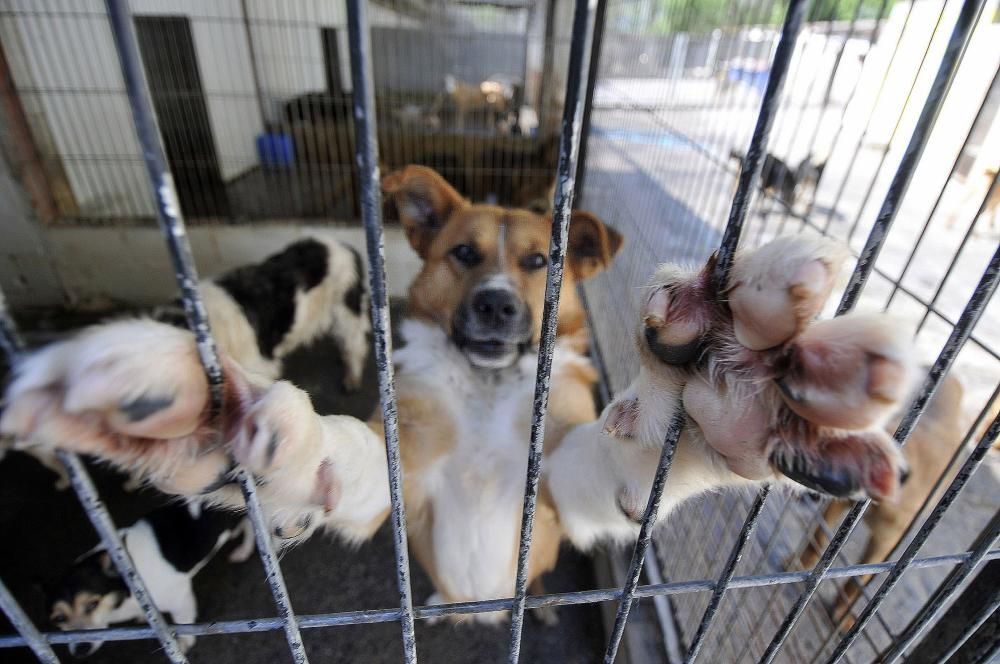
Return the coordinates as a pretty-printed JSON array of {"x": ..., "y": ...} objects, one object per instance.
[{"x": 693, "y": 94}]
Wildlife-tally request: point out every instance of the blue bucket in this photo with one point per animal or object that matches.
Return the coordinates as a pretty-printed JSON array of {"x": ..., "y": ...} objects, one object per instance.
[{"x": 275, "y": 150}]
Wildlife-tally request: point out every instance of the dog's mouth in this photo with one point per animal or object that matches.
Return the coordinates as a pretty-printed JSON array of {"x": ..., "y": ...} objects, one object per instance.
[{"x": 490, "y": 353}]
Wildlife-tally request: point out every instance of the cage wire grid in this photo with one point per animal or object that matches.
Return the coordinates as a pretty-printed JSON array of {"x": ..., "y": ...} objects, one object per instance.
[{"x": 751, "y": 207}]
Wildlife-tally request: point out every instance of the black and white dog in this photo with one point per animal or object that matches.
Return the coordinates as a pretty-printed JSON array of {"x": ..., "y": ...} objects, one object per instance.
[
  {"x": 262, "y": 312},
  {"x": 169, "y": 546},
  {"x": 783, "y": 181}
]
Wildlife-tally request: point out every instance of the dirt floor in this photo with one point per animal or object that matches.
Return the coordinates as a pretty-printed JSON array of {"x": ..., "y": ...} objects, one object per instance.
[{"x": 44, "y": 530}]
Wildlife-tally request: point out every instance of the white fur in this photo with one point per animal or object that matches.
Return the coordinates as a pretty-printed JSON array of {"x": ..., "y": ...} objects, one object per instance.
[
  {"x": 589, "y": 472},
  {"x": 171, "y": 590},
  {"x": 476, "y": 489}
]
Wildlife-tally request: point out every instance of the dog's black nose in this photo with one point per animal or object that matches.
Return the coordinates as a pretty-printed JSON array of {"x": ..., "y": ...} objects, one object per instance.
[{"x": 496, "y": 308}]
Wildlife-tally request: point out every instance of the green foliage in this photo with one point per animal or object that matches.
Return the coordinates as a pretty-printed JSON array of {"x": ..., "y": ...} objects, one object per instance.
[{"x": 661, "y": 17}]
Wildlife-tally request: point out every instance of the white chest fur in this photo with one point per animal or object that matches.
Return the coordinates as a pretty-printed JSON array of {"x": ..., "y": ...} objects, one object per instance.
[{"x": 476, "y": 489}]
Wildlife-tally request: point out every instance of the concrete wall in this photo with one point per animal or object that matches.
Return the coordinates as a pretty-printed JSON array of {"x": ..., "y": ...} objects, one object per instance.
[{"x": 101, "y": 266}]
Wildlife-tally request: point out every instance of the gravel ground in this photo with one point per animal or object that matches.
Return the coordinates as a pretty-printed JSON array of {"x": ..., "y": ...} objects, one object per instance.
[{"x": 45, "y": 530}]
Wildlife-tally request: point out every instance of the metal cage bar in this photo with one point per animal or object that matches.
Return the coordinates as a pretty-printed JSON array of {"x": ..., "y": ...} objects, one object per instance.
[
  {"x": 22, "y": 623},
  {"x": 171, "y": 223},
  {"x": 91, "y": 502},
  {"x": 962, "y": 31},
  {"x": 345, "y": 618},
  {"x": 741, "y": 203},
  {"x": 722, "y": 586},
  {"x": 577, "y": 77},
  {"x": 944, "y": 593},
  {"x": 363, "y": 99},
  {"x": 970, "y": 466}
]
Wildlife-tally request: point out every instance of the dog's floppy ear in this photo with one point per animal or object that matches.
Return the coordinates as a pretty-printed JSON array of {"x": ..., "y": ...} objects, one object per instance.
[
  {"x": 422, "y": 201},
  {"x": 592, "y": 245}
]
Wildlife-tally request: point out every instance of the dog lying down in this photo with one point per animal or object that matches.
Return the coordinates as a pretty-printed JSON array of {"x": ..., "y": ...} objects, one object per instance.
[
  {"x": 169, "y": 546},
  {"x": 262, "y": 312},
  {"x": 770, "y": 394}
]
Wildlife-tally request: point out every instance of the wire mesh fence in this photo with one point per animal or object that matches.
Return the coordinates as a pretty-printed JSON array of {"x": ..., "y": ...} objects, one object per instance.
[{"x": 853, "y": 125}]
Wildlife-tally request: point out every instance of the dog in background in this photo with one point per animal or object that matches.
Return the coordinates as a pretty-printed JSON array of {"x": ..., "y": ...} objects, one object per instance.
[
  {"x": 169, "y": 546},
  {"x": 260, "y": 313},
  {"x": 938, "y": 434},
  {"x": 781, "y": 180}
]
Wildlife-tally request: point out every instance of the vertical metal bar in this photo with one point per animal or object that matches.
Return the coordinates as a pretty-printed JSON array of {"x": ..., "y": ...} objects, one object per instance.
[
  {"x": 722, "y": 585},
  {"x": 98, "y": 514},
  {"x": 596, "y": 42},
  {"x": 569, "y": 145},
  {"x": 959, "y": 626},
  {"x": 22, "y": 623},
  {"x": 750, "y": 173},
  {"x": 964, "y": 24},
  {"x": 959, "y": 335},
  {"x": 970, "y": 466},
  {"x": 366, "y": 145},
  {"x": 172, "y": 225},
  {"x": 645, "y": 534},
  {"x": 959, "y": 156},
  {"x": 945, "y": 592},
  {"x": 754, "y": 160}
]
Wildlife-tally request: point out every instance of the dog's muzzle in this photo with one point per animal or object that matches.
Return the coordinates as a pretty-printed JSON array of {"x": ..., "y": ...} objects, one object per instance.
[{"x": 492, "y": 327}]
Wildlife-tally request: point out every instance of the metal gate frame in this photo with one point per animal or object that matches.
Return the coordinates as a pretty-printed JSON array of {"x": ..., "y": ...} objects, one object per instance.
[{"x": 579, "y": 93}]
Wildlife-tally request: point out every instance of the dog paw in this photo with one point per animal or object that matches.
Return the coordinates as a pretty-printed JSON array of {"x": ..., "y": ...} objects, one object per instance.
[
  {"x": 135, "y": 378},
  {"x": 772, "y": 390},
  {"x": 777, "y": 290},
  {"x": 622, "y": 418}
]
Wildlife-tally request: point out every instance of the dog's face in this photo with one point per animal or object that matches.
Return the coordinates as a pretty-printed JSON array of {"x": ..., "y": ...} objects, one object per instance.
[
  {"x": 85, "y": 597},
  {"x": 483, "y": 277}
]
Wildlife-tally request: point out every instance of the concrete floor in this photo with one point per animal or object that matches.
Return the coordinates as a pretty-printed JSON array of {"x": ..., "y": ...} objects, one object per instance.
[{"x": 45, "y": 530}]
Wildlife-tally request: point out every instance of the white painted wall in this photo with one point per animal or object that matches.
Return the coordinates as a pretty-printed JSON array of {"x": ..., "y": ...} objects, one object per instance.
[{"x": 64, "y": 63}]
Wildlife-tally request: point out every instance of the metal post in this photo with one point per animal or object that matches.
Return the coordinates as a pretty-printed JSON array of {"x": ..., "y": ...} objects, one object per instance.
[
  {"x": 172, "y": 225},
  {"x": 371, "y": 212},
  {"x": 569, "y": 145},
  {"x": 596, "y": 41}
]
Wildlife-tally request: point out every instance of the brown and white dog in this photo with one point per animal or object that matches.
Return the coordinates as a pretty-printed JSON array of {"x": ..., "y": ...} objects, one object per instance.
[{"x": 768, "y": 392}]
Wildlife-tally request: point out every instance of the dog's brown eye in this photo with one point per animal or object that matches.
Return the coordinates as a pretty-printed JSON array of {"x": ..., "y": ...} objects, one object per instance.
[
  {"x": 466, "y": 254},
  {"x": 534, "y": 262},
  {"x": 58, "y": 619},
  {"x": 91, "y": 605}
]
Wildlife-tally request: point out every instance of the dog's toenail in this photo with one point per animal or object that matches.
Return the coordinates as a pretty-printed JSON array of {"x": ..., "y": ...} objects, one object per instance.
[
  {"x": 672, "y": 354},
  {"x": 818, "y": 476},
  {"x": 786, "y": 390},
  {"x": 142, "y": 407}
]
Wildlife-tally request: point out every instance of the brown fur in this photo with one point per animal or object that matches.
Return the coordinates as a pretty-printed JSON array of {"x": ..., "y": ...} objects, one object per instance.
[{"x": 435, "y": 219}]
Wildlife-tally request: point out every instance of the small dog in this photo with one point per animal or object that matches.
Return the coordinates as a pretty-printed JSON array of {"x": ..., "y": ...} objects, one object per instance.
[
  {"x": 262, "y": 312},
  {"x": 779, "y": 179},
  {"x": 169, "y": 546}
]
